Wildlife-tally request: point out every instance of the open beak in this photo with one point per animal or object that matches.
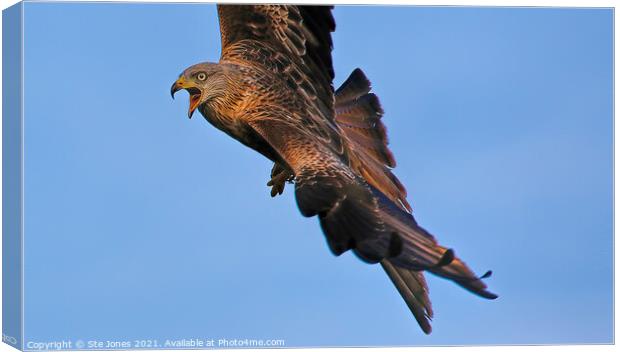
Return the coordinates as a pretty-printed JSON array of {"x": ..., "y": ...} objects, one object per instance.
[{"x": 195, "y": 94}]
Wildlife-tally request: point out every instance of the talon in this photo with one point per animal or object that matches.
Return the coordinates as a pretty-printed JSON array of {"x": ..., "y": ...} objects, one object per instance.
[{"x": 279, "y": 177}]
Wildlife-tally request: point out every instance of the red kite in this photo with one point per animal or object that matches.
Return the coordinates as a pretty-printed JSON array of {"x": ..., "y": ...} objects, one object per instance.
[{"x": 272, "y": 91}]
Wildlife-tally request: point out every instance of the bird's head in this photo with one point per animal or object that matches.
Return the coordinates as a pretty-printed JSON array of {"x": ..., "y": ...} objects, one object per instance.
[{"x": 202, "y": 81}]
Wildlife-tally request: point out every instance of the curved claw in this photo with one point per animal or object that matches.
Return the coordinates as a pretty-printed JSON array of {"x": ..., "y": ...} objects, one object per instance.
[{"x": 279, "y": 177}]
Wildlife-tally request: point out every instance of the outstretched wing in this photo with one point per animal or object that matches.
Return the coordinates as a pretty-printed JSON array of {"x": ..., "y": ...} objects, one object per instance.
[
  {"x": 293, "y": 42},
  {"x": 354, "y": 214},
  {"x": 358, "y": 114},
  {"x": 301, "y": 32}
]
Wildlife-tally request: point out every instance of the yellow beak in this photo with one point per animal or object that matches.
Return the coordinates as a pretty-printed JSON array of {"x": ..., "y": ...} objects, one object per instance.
[{"x": 195, "y": 93}]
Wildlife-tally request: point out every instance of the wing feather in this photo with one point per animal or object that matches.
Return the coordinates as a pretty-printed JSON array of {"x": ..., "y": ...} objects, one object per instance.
[
  {"x": 294, "y": 44},
  {"x": 358, "y": 114},
  {"x": 300, "y": 37}
]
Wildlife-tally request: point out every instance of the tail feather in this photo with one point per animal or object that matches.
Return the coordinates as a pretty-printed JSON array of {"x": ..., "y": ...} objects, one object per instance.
[
  {"x": 403, "y": 248},
  {"x": 412, "y": 287},
  {"x": 356, "y": 216},
  {"x": 420, "y": 248}
]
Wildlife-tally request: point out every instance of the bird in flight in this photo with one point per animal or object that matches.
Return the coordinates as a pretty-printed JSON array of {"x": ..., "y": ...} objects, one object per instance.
[{"x": 272, "y": 91}]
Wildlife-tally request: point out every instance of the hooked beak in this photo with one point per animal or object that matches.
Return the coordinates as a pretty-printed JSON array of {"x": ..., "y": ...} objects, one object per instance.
[{"x": 195, "y": 94}]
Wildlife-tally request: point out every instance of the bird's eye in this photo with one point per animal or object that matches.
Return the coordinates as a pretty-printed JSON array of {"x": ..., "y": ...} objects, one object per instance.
[{"x": 201, "y": 76}]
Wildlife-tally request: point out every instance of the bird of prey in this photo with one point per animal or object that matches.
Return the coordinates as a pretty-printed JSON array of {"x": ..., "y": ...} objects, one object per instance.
[{"x": 272, "y": 91}]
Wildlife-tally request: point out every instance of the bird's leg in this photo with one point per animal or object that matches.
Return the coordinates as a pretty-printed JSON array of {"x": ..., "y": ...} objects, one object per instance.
[{"x": 279, "y": 176}]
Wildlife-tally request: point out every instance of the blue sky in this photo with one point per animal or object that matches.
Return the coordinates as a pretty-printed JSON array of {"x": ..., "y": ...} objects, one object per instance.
[{"x": 142, "y": 224}]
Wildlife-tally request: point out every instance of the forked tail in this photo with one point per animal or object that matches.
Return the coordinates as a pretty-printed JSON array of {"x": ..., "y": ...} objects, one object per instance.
[{"x": 407, "y": 248}]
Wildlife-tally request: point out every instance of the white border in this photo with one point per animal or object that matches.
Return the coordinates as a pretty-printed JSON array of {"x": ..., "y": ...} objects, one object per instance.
[{"x": 483, "y": 3}]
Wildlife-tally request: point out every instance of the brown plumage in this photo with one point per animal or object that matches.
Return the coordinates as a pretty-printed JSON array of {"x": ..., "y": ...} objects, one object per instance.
[{"x": 272, "y": 91}]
